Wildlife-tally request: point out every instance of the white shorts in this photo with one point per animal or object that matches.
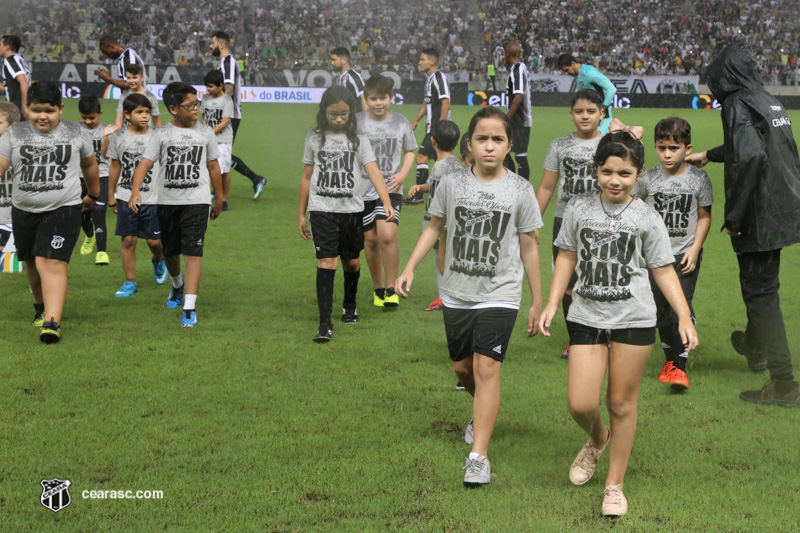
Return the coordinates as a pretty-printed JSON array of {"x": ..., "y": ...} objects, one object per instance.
[{"x": 225, "y": 151}]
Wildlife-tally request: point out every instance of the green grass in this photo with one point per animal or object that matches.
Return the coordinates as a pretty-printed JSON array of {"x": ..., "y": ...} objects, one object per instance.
[{"x": 246, "y": 425}]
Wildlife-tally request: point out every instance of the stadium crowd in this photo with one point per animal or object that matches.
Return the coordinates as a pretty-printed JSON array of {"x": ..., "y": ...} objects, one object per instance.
[{"x": 617, "y": 36}]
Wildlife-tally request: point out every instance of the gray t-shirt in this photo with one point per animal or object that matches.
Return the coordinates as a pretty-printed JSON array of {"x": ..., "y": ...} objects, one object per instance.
[
  {"x": 439, "y": 171},
  {"x": 213, "y": 111},
  {"x": 95, "y": 137},
  {"x": 183, "y": 155},
  {"x": 6, "y": 186},
  {"x": 483, "y": 223},
  {"x": 154, "y": 112},
  {"x": 573, "y": 159},
  {"x": 676, "y": 199},
  {"x": 390, "y": 139},
  {"x": 45, "y": 167},
  {"x": 337, "y": 184},
  {"x": 613, "y": 289},
  {"x": 127, "y": 148}
]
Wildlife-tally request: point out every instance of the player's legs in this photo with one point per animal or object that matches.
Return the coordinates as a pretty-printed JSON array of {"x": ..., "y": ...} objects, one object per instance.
[
  {"x": 128, "y": 253},
  {"x": 486, "y": 401},
  {"x": 156, "y": 249},
  {"x": 389, "y": 250},
  {"x": 464, "y": 372},
  {"x": 587, "y": 369},
  {"x": 372, "y": 254},
  {"x": 98, "y": 214},
  {"x": 425, "y": 154},
  {"x": 34, "y": 281},
  {"x": 239, "y": 166},
  {"x": 53, "y": 277},
  {"x": 226, "y": 186},
  {"x": 194, "y": 270}
]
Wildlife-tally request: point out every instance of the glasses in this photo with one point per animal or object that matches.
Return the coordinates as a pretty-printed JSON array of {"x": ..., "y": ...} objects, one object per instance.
[
  {"x": 193, "y": 105},
  {"x": 344, "y": 114}
]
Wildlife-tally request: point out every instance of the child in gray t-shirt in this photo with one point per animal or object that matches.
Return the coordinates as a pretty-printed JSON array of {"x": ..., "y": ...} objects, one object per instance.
[
  {"x": 682, "y": 195},
  {"x": 612, "y": 240},
  {"x": 218, "y": 113}
]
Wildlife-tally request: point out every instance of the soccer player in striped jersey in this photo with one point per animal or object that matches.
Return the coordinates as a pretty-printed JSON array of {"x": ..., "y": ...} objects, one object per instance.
[
  {"x": 436, "y": 107},
  {"x": 348, "y": 76},
  {"x": 220, "y": 47},
  {"x": 519, "y": 107},
  {"x": 124, "y": 56},
  {"x": 16, "y": 73}
]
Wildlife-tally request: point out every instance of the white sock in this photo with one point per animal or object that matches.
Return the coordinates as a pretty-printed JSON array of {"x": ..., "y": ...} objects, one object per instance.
[
  {"x": 473, "y": 455},
  {"x": 189, "y": 301},
  {"x": 177, "y": 281}
]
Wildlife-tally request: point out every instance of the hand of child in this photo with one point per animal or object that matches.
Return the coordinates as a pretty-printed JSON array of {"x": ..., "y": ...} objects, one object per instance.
[
  {"x": 108, "y": 130},
  {"x": 405, "y": 279},
  {"x": 135, "y": 201},
  {"x": 533, "y": 321},
  {"x": 688, "y": 334},
  {"x": 87, "y": 203},
  {"x": 414, "y": 125},
  {"x": 114, "y": 208},
  {"x": 689, "y": 261},
  {"x": 395, "y": 183},
  {"x": 302, "y": 226},
  {"x": 216, "y": 209},
  {"x": 413, "y": 190},
  {"x": 389, "y": 211},
  {"x": 547, "y": 318}
]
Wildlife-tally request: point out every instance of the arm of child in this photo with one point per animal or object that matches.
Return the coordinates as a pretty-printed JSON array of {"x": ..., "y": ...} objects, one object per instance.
[
  {"x": 139, "y": 175},
  {"x": 529, "y": 252},
  {"x": 4, "y": 164},
  {"x": 421, "y": 113},
  {"x": 442, "y": 252},
  {"x": 667, "y": 281},
  {"x": 395, "y": 183},
  {"x": 546, "y": 188},
  {"x": 114, "y": 169},
  {"x": 424, "y": 245},
  {"x": 91, "y": 175},
  {"x": 216, "y": 181},
  {"x": 376, "y": 178},
  {"x": 222, "y": 125},
  {"x": 119, "y": 120},
  {"x": 689, "y": 260},
  {"x": 414, "y": 189},
  {"x": 564, "y": 267},
  {"x": 305, "y": 187},
  {"x": 157, "y": 121}
]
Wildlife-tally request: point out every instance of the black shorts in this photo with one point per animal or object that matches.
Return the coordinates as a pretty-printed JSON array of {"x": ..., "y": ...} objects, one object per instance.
[
  {"x": 235, "y": 126},
  {"x": 426, "y": 148},
  {"x": 373, "y": 210},
  {"x": 4, "y": 236},
  {"x": 143, "y": 224},
  {"x": 556, "y": 228},
  {"x": 337, "y": 234},
  {"x": 183, "y": 228},
  {"x": 580, "y": 334},
  {"x": 51, "y": 234},
  {"x": 520, "y": 136},
  {"x": 484, "y": 331}
]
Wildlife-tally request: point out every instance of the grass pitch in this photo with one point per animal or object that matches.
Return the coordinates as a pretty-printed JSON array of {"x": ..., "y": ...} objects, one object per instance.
[{"x": 246, "y": 425}]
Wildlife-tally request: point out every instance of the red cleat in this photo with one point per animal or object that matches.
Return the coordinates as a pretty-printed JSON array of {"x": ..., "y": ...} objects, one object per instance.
[
  {"x": 436, "y": 305},
  {"x": 663, "y": 377},
  {"x": 678, "y": 379}
]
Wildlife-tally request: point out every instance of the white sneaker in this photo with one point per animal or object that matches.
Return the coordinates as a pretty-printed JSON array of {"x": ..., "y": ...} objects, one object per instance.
[
  {"x": 583, "y": 466},
  {"x": 468, "y": 437},
  {"x": 614, "y": 502},
  {"x": 477, "y": 472}
]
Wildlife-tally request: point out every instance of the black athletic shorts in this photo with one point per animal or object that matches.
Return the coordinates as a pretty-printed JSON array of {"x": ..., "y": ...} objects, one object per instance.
[
  {"x": 484, "y": 331},
  {"x": 183, "y": 228},
  {"x": 4, "y": 236},
  {"x": 373, "y": 210},
  {"x": 556, "y": 228},
  {"x": 337, "y": 234},
  {"x": 51, "y": 234},
  {"x": 520, "y": 136},
  {"x": 426, "y": 148},
  {"x": 581, "y": 334},
  {"x": 143, "y": 224}
]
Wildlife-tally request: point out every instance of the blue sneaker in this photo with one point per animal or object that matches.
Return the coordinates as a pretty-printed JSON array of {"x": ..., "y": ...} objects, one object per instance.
[
  {"x": 128, "y": 289},
  {"x": 160, "y": 272},
  {"x": 175, "y": 298},
  {"x": 258, "y": 187},
  {"x": 189, "y": 319}
]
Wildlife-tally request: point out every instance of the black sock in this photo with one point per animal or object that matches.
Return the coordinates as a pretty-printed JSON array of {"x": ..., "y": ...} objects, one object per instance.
[
  {"x": 39, "y": 308},
  {"x": 566, "y": 301},
  {"x": 99, "y": 220},
  {"x": 680, "y": 361},
  {"x": 351, "y": 287},
  {"x": 239, "y": 166},
  {"x": 522, "y": 167},
  {"x": 422, "y": 177},
  {"x": 86, "y": 223},
  {"x": 679, "y": 354},
  {"x": 381, "y": 293},
  {"x": 325, "y": 293}
]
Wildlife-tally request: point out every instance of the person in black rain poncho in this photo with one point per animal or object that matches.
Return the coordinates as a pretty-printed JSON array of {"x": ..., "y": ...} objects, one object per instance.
[{"x": 762, "y": 211}]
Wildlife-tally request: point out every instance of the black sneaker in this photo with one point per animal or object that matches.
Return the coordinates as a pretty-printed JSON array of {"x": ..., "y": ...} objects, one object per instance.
[
  {"x": 390, "y": 298},
  {"x": 51, "y": 332},
  {"x": 324, "y": 334},
  {"x": 413, "y": 200},
  {"x": 349, "y": 314},
  {"x": 225, "y": 206},
  {"x": 756, "y": 362}
]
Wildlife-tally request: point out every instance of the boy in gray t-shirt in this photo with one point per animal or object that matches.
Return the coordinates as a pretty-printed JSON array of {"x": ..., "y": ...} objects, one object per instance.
[
  {"x": 134, "y": 77},
  {"x": 218, "y": 111},
  {"x": 187, "y": 153},
  {"x": 94, "y": 221},
  {"x": 682, "y": 195},
  {"x": 9, "y": 114}
]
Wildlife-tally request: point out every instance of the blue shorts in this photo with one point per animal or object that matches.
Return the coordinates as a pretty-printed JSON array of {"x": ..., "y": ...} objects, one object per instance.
[{"x": 143, "y": 224}]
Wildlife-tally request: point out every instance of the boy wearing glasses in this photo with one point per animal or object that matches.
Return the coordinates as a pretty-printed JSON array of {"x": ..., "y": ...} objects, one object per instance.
[{"x": 187, "y": 153}]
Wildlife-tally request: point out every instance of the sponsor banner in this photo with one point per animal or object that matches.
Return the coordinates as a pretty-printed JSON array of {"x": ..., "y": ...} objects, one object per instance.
[{"x": 550, "y": 83}]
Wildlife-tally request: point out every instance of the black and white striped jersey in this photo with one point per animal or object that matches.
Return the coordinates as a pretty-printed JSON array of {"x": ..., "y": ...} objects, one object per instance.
[
  {"x": 517, "y": 83},
  {"x": 12, "y": 67},
  {"x": 230, "y": 72},
  {"x": 436, "y": 90},
  {"x": 353, "y": 81},
  {"x": 129, "y": 57}
]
